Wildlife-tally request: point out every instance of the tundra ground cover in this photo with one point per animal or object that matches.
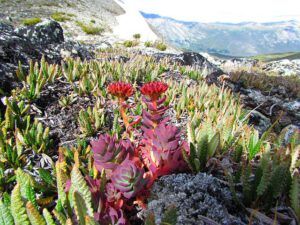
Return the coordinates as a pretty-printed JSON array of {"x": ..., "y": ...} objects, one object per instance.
[{"x": 82, "y": 142}]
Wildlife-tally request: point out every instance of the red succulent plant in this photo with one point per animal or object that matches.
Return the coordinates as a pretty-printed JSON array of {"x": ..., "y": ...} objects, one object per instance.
[
  {"x": 152, "y": 92},
  {"x": 161, "y": 150},
  {"x": 113, "y": 196},
  {"x": 111, "y": 216},
  {"x": 131, "y": 170},
  {"x": 154, "y": 115},
  {"x": 95, "y": 189},
  {"x": 128, "y": 178},
  {"x": 109, "y": 152},
  {"x": 121, "y": 90},
  {"x": 154, "y": 89}
]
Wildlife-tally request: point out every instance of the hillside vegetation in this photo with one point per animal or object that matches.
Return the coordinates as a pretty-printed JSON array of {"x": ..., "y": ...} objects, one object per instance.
[
  {"x": 277, "y": 56},
  {"x": 102, "y": 132},
  {"x": 147, "y": 130}
]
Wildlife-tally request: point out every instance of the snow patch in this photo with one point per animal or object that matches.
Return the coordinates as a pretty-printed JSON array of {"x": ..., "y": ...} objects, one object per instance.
[{"x": 132, "y": 22}]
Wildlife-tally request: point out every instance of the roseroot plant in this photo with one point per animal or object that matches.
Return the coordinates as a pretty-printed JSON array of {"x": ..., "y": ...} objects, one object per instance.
[
  {"x": 122, "y": 91},
  {"x": 109, "y": 152},
  {"x": 152, "y": 92},
  {"x": 202, "y": 150},
  {"x": 132, "y": 163},
  {"x": 161, "y": 150}
]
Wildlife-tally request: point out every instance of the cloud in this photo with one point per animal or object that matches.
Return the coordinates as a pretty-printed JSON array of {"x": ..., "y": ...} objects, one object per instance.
[{"x": 222, "y": 10}]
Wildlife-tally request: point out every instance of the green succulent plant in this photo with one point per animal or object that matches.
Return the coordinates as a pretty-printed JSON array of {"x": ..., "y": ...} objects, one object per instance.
[
  {"x": 36, "y": 79},
  {"x": 91, "y": 120}
]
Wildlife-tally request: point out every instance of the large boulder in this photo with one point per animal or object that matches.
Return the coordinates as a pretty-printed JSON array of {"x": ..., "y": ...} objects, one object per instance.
[
  {"x": 197, "y": 61},
  {"x": 194, "y": 60},
  {"x": 197, "y": 198},
  {"x": 31, "y": 43},
  {"x": 44, "y": 33},
  {"x": 13, "y": 49}
]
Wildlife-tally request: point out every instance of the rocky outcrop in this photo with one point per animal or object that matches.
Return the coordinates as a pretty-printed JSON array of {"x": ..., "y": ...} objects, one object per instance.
[
  {"x": 44, "y": 33},
  {"x": 31, "y": 43},
  {"x": 193, "y": 59},
  {"x": 284, "y": 67},
  {"x": 13, "y": 48},
  {"x": 199, "y": 200},
  {"x": 273, "y": 107},
  {"x": 237, "y": 64}
]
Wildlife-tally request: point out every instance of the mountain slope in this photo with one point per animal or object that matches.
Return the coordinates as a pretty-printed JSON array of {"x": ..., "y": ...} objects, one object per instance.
[{"x": 243, "y": 39}]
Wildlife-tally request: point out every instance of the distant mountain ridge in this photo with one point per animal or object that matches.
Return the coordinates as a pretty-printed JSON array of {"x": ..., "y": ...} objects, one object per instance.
[{"x": 236, "y": 39}]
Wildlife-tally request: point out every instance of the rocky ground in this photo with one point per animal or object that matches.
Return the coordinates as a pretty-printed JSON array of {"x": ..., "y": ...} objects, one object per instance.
[
  {"x": 198, "y": 197},
  {"x": 102, "y": 13}
]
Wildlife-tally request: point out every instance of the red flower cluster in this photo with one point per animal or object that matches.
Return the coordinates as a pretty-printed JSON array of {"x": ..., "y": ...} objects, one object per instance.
[
  {"x": 154, "y": 89},
  {"x": 120, "y": 89}
]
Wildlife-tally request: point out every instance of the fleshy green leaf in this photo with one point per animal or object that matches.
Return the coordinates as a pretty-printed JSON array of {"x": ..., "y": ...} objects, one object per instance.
[
  {"x": 5, "y": 216},
  {"x": 213, "y": 145},
  {"x": 79, "y": 185},
  {"x": 48, "y": 217},
  {"x": 17, "y": 207},
  {"x": 34, "y": 215},
  {"x": 80, "y": 207}
]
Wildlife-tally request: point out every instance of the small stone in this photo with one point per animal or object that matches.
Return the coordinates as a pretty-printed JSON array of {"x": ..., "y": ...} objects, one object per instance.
[
  {"x": 289, "y": 132},
  {"x": 260, "y": 121}
]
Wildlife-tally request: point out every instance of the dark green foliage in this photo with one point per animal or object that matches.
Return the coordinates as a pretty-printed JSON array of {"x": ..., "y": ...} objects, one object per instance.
[
  {"x": 201, "y": 152},
  {"x": 130, "y": 43},
  {"x": 137, "y": 36},
  {"x": 150, "y": 219},
  {"x": 246, "y": 183},
  {"x": 270, "y": 181},
  {"x": 46, "y": 176},
  {"x": 170, "y": 216},
  {"x": 160, "y": 46},
  {"x": 295, "y": 193},
  {"x": 238, "y": 153},
  {"x": 148, "y": 44}
]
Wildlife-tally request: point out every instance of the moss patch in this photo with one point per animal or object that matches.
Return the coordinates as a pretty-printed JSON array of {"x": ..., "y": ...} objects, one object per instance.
[
  {"x": 31, "y": 21},
  {"x": 130, "y": 43},
  {"x": 89, "y": 28},
  {"x": 61, "y": 16},
  {"x": 160, "y": 46}
]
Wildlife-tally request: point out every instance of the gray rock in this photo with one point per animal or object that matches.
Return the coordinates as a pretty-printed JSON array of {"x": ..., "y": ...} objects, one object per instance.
[
  {"x": 293, "y": 106},
  {"x": 194, "y": 196},
  {"x": 284, "y": 67},
  {"x": 288, "y": 132},
  {"x": 44, "y": 33},
  {"x": 13, "y": 48},
  {"x": 31, "y": 43},
  {"x": 260, "y": 121},
  {"x": 198, "y": 62},
  {"x": 194, "y": 60},
  {"x": 272, "y": 106},
  {"x": 235, "y": 64}
]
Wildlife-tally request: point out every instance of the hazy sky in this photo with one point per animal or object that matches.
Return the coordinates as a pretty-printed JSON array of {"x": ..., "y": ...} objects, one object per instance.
[{"x": 222, "y": 10}]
